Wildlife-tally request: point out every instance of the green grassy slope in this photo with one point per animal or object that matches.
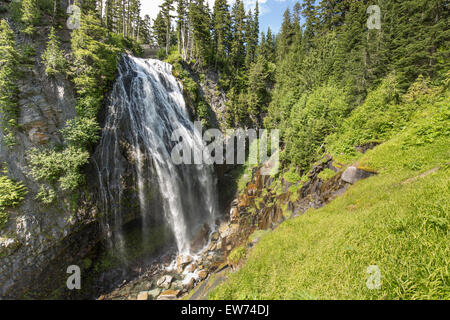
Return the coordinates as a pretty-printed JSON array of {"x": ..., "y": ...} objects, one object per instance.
[{"x": 398, "y": 220}]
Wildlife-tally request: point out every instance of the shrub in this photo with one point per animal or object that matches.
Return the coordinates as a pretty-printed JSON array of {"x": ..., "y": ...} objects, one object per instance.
[
  {"x": 46, "y": 195},
  {"x": 9, "y": 61},
  {"x": 61, "y": 167},
  {"x": 236, "y": 255},
  {"x": 30, "y": 14},
  {"x": 81, "y": 132},
  {"x": 379, "y": 117},
  {"x": 312, "y": 118},
  {"x": 326, "y": 174},
  {"x": 53, "y": 57},
  {"x": 11, "y": 194}
]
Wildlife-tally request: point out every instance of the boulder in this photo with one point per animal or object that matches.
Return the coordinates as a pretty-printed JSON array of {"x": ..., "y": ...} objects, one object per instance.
[
  {"x": 182, "y": 262},
  {"x": 191, "y": 267},
  {"x": 143, "y": 295},
  {"x": 202, "y": 275},
  {"x": 234, "y": 215},
  {"x": 8, "y": 246},
  {"x": 177, "y": 285},
  {"x": 353, "y": 174},
  {"x": 212, "y": 246},
  {"x": 226, "y": 229},
  {"x": 169, "y": 295},
  {"x": 215, "y": 236},
  {"x": 164, "y": 281},
  {"x": 153, "y": 294}
]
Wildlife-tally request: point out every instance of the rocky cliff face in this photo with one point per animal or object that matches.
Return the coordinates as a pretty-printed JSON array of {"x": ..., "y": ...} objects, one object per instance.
[{"x": 39, "y": 241}]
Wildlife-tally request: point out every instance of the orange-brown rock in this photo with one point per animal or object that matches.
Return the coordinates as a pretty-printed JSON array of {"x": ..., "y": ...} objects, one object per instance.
[{"x": 169, "y": 295}]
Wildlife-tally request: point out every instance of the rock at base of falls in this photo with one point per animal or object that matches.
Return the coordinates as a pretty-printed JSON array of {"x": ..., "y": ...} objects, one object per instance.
[
  {"x": 142, "y": 295},
  {"x": 153, "y": 294},
  {"x": 183, "y": 261},
  {"x": 164, "y": 281},
  {"x": 169, "y": 295}
]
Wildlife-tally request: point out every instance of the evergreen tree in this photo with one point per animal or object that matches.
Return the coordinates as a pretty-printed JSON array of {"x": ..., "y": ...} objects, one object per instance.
[
  {"x": 53, "y": 57},
  {"x": 312, "y": 21},
  {"x": 200, "y": 19},
  {"x": 166, "y": 9},
  {"x": 286, "y": 36},
  {"x": 159, "y": 30},
  {"x": 146, "y": 30},
  {"x": 252, "y": 35},
  {"x": 9, "y": 61},
  {"x": 182, "y": 27},
  {"x": 221, "y": 23},
  {"x": 238, "y": 34},
  {"x": 30, "y": 15}
]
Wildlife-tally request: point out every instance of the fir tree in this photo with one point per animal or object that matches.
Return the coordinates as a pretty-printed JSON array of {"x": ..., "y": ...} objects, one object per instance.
[
  {"x": 9, "y": 61},
  {"x": 53, "y": 57},
  {"x": 221, "y": 22},
  {"x": 30, "y": 15}
]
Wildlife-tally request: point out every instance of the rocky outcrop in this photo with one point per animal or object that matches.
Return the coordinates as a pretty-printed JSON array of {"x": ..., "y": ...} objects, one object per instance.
[{"x": 40, "y": 241}]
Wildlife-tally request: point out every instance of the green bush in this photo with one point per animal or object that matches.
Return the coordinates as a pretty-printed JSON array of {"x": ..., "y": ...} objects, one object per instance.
[
  {"x": 11, "y": 194},
  {"x": 291, "y": 175},
  {"x": 378, "y": 118},
  {"x": 9, "y": 62},
  {"x": 326, "y": 174},
  {"x": 53, "y": 57},
  {"x": 81, "y": 132},
  {"x": 236, "y": 255},
  {"x": 46, "y": 195},
  {"x": 312, "y": 118},
  {"x": 15, "y": 11},
  {"x": 30, "y": 15},
  {"x": 63, "y": 167}
]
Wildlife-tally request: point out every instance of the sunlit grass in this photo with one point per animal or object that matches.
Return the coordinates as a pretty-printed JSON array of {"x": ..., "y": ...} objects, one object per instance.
[{"x": 398, "y": 225}]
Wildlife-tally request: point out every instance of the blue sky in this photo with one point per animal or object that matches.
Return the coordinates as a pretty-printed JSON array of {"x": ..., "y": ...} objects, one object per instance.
[{"x": 271, "y": 10}]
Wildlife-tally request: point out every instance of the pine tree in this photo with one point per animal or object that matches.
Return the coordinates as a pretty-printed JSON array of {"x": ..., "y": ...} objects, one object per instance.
[
  {"x": 257, "y": 94},
  {"x": 310, "y": 13},
  {"x": 146, "y": 30},
  {"x": 159, "y": 30},
  {"x": 53, "y": 57},
  {"x": 9, "y": 61},
  {"x": 286, "y": 36},
  {"x": 200, "y": 20},
  {"x": 30, "y": 15},
  {"x": 252, "y": 35},
  {"x": 238, "y": 34},
  {"x": 221, "y": 22},
  {"x": 166, "y": 8}
]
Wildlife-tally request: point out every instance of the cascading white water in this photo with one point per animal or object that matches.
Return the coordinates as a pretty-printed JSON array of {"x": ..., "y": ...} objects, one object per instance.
[{"x": 145, "y": 107}]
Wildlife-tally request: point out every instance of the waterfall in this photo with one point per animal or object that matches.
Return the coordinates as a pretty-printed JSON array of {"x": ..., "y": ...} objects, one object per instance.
[{"x": 145, "y": 106}]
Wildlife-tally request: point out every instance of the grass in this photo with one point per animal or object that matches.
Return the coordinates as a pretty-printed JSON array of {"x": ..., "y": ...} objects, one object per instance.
[
  {"x": 398, "y": 225},
  {"x": 327, "y": 174}
]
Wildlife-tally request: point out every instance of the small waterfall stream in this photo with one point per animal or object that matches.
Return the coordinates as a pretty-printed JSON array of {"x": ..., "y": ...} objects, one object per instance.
[{"x": 145, "y": 107}]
